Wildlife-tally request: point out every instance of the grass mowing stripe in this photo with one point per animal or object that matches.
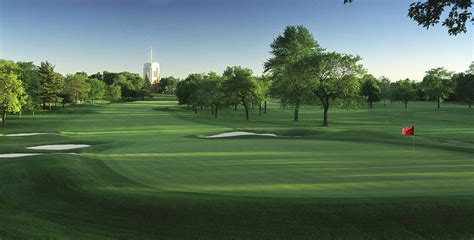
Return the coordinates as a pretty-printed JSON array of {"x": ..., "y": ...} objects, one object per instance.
[{"x": 159, "y": 178}]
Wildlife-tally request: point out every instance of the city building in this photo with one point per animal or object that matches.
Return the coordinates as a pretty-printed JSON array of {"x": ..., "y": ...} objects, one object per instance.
[{"x": 151, "y": 70}]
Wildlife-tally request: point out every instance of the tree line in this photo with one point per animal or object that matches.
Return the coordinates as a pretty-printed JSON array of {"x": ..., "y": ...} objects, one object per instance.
[
  {"x": 27, "y": 87},
  {"x": 437, "y": 85},
  {"x": 236, "y": 86},
  {"x": 301, "y": 72}
]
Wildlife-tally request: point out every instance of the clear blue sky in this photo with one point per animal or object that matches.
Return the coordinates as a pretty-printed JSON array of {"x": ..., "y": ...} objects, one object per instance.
[{"x": 203, "y": 35}]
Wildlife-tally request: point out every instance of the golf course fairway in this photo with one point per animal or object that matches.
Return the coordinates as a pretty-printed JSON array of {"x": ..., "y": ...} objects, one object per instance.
[{"x": 151, "y": 173}]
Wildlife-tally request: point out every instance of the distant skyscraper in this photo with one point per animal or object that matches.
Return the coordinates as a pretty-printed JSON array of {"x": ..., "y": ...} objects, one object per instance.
[{"x": 151, "y": 70}]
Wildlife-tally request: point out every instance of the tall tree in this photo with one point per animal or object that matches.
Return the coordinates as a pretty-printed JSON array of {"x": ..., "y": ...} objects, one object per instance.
[
  {"x": 113, "y": 92},
  {"x": 265, "y": 83},
  {"x": 370, "y": 89},
  {"x": 32, "y": 84},
  {"x": 384, "y": 85},
  {"x": 419, "y": 90},
  {"x": 471, "y": 68},
  {"x": 76, "y": 88},
  {"x": 289, "y": 85},
  {"x": 241, "y": 84},
  {"x": 437, "y": 84},
  {"x": 187, "y": 90},
  {"x": 97, "y": 90},
  {"x": 167, "y": 85},
  {"x": 12, "y": 93},
  {"x": 51, "y": 84},
  {"x": 211, "y": 92},
  {"x": 97, "y": 75},
  {"x": 107, "y": 77},
  {"x": 131, "y": 84},
  {"x": 403, "y": 91},
  {"x": 465, "y": 88},
  {"x": 334, "y": 77}
]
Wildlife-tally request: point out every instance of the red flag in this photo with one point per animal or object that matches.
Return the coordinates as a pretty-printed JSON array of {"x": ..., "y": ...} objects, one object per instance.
[{"x": 410, "y": 130}]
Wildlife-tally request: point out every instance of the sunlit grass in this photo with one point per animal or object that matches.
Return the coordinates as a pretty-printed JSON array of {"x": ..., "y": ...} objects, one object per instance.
[{"x": 150, "y": 173}]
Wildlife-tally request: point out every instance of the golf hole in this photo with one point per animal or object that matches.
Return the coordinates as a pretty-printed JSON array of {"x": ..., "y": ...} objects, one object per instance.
[
  {"x": 59, "y": 147},
  {"x": 236, "y": 134}
]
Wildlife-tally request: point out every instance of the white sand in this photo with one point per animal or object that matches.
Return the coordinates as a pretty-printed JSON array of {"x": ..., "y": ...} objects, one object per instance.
[
  {"x": 23, "y": 134},
  {"x": 15, "y": 155},
  {"x": 59, "y": 147},
  {"x": 235, "y": 134}
]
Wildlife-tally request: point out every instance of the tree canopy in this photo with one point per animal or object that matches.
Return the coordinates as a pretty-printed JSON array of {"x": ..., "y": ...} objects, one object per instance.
[
  {"x": 98, "y": 89},
  {"x": 167, "y": 85},
  {"x": 437, "y": 84},
  {"x": 335, "y": 77},
  {"x": 12, "y": 93},
  {"x": 428, "y": 13},
  {"x": 384, "y": 85},
  {"x": 370, "y": 89},
  {"x": 242, "y": 85},
  {"x": 289, "y": 83},
  {"x": 465, "y": 88},
  {"x": 51, "y": 84},
  {"x": 76, "y": 88},
  {"x": 403, "y": 91}
]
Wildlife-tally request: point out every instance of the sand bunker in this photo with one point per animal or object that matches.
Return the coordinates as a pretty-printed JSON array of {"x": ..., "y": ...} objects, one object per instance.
[
  {"x": 23, "y": 134},
  {"x": 15, "y": 155},
  {"x": 59, "y": 147},
  {"x": 236, "y": 134}
]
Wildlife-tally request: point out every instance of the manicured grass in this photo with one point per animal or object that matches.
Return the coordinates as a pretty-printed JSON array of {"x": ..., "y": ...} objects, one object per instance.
[{"x": 152, "y": 174}]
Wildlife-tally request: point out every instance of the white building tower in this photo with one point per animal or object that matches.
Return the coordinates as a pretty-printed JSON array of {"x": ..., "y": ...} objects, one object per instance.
[{"x": 151, "y": 70}]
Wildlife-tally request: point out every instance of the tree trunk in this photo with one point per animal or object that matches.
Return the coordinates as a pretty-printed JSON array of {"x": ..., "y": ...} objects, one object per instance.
[
  {"x": 296, "y": 111},
  {"x": 384, "y": 102},
  {"x": 33, "y": 112},
  {"x": 246, "y": 112},
  {"x": 19, "y": 113},
  {"x": 370, "y": 104},
  {"x": 259, "y": 109},
  {"x": 265, "y": 107},
  {"x": 406, "y": 103},
  {"x": 325, "y": 117},
  {"x": 195, "y": 109},
  {"x": 4, "y": 117},
  {"x": 235, "y": 107},
  {"x": 246, "y": 109},
  {"x": 215, "y": 111},
  {"x": 44, "y": 104},
  {"x": 438, "y": 102}
]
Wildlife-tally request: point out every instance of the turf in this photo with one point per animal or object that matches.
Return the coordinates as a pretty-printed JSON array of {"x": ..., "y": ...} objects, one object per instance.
[{"x": 151, "y": 173}]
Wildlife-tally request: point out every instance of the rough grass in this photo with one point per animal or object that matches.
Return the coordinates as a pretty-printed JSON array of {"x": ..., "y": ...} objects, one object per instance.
[{"x": 150, "y": 174}]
